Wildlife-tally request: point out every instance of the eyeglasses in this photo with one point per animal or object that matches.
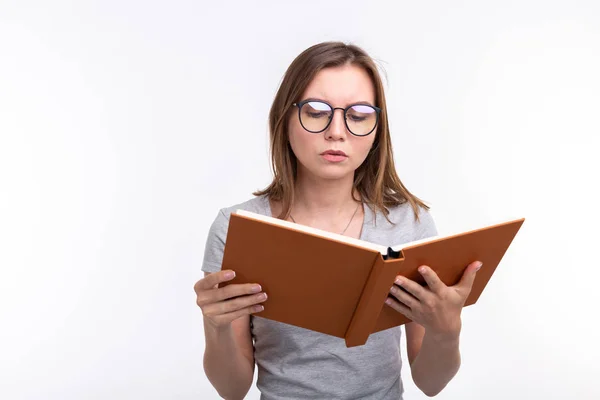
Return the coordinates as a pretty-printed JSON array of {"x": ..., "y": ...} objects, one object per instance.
[{"x": 315, "y": 116}]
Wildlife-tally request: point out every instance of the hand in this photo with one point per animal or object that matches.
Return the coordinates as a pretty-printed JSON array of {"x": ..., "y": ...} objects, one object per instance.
[
  {"x": 221, "y": 306},
  {"x": 436, "y": 307}
]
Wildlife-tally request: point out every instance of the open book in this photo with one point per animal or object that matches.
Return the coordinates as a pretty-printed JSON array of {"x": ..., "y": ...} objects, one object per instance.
[{"x": 337, "y": 285}]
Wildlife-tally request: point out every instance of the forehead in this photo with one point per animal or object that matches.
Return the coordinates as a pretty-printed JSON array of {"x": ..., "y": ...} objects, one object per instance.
[{"x": 341, "y": 86}]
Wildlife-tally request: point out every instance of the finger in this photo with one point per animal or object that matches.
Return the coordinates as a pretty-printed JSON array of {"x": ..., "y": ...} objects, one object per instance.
[
  {"x": 225, "y": 293},
  {"x": 229, "y": 317},
  {"x": 403, "y": 297},
  {"x": 212, "y": 280},
  {"x": 401, "y": 308},
  {"x": 466, "y": 281},
  {"x": 432, "y": 279},
  {"x": 228, "y": 306},
  {"x": 412, "y": 287},
  {"x": 231, "y": 291}
]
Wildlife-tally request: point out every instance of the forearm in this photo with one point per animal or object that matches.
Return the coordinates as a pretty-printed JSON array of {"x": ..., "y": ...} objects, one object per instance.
[
  {"x": 437, "y": 363},
  {"x": 225, "y": 366}
]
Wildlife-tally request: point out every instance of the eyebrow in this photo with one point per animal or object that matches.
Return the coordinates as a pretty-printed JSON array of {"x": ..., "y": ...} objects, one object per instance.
[{"x": 325, "y": 101}]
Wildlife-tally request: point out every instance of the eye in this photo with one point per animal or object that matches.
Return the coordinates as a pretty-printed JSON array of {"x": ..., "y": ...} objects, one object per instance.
[
  {"x": 360, "y": 113},
  {"x": 316, "y": 110},
  {"x": 317, "y": 114},
  {"x": 356, "y": 118}
]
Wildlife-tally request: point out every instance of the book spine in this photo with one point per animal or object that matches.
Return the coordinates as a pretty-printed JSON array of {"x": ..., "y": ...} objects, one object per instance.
[{"x": 372, "y": 300}]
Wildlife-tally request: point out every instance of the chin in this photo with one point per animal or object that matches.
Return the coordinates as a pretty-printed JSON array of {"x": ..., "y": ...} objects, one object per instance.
[{"x": 331, "y": 172}]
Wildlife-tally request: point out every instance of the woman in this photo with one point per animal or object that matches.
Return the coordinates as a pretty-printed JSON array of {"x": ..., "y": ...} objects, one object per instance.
[{"x": 333, "y": 170}]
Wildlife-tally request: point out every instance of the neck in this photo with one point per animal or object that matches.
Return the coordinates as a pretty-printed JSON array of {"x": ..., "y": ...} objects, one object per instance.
[{"x": 323, "y": 199}]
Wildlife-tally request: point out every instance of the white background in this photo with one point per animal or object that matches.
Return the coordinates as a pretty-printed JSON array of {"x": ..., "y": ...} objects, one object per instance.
[{"x": 126, "y": 125}]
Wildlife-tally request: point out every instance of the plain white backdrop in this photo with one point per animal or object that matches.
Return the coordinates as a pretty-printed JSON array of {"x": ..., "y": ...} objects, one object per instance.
[{"x": 126, "y": 125}]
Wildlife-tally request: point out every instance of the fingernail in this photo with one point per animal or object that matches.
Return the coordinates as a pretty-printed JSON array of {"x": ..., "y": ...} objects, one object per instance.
[
  {"x": 398, "y": 281},
  {"x": 229, "y": 275},
  {"x": 258, "y": 308},
  {"x": 479, "y": 264},
  {"x": 422, "y": 270},
  {"x": 256, "y": 289},
  {"x": 388, "y": 301}
]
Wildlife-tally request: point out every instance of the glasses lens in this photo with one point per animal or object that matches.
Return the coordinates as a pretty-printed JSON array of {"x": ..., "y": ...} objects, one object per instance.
[
  {"x": 315, "y": 116},
  {"x": 361, "y": 119}
]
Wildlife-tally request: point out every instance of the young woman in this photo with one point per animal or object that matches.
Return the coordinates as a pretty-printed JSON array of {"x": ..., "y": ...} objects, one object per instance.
[{"x": 333, "y": 165}]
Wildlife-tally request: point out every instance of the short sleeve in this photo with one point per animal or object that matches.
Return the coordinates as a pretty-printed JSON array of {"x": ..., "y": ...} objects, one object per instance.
[
  {"x": 426, "y": 226},
  {"x": 215, "y": 243}
]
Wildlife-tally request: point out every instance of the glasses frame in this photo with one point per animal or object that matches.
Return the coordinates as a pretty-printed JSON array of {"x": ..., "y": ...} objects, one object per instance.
[{"x": 300, "y": 104}]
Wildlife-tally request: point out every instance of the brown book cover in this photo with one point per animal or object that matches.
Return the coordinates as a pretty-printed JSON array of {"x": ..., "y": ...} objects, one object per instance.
[{"x": 337, "y": 285}]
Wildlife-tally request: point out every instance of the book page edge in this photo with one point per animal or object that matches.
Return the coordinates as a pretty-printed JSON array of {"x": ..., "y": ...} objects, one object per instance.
[{"x": 314, "y": 231}]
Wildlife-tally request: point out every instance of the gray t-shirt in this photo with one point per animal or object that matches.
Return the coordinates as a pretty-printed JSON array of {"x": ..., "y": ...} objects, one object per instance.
[{"x": 296, "y": 363}]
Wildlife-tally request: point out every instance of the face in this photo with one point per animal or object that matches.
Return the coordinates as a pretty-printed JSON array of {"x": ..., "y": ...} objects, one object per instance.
[{"x": 339, "y": 87}]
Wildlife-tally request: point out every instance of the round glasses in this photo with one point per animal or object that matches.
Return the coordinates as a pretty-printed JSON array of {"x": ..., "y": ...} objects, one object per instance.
[{"x": 315, "y": 116}]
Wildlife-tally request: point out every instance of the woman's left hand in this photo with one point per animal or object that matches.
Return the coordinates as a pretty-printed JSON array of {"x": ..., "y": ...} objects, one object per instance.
[{"x": 436, "y": 307}]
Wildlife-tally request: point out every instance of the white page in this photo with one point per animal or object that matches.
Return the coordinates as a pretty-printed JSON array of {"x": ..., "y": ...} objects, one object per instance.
[
  {"x": 318, "y": 232},
  {"x": 357, "y": 242}
]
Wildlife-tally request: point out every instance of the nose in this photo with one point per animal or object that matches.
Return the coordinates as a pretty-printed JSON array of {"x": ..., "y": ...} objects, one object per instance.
[{"x": 337, "y": 128}]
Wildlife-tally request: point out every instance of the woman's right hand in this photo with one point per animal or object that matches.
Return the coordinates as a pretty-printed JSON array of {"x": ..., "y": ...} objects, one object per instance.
[{"x": 222, "y": 305}]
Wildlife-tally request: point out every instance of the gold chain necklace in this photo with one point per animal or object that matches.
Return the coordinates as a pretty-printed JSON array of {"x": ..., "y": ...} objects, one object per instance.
[{"x": 344, "y": 231}]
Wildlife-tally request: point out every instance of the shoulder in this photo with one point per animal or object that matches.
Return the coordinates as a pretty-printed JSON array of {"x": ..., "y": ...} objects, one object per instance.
[
  {"x": 257, "y": 204},
  {"x": 217, "y": 233}
]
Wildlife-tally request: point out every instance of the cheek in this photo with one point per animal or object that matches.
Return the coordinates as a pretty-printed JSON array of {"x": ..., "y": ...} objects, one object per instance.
[
  {"x": 293, "y": 134},
  {"x": 298, "y": 138},
  {"x": 363, "y": 146}
]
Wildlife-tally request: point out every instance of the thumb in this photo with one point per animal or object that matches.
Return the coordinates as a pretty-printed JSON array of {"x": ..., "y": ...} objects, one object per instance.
[{"x": 466, "y": 282}]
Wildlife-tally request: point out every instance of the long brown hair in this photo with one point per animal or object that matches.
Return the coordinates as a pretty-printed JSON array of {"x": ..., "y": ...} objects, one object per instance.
[{"x": 376, "y": 179}]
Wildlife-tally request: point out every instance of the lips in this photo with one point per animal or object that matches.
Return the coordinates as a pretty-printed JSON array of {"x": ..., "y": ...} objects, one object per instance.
[
  {"x": 334, "y": 156},
  {"x": 335, "y": 153}
]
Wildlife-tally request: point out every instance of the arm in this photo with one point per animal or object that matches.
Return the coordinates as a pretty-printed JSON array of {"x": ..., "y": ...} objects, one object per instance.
[
  {"x": 433, "y": 360},
  {"x": 229, "y": 352},
  {"x": 433, "y": 337},
  {"x": 229, "y": 358}
]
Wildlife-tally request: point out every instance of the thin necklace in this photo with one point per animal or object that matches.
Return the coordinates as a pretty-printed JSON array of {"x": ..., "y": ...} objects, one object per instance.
[{"x": 344, "y": 231}]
